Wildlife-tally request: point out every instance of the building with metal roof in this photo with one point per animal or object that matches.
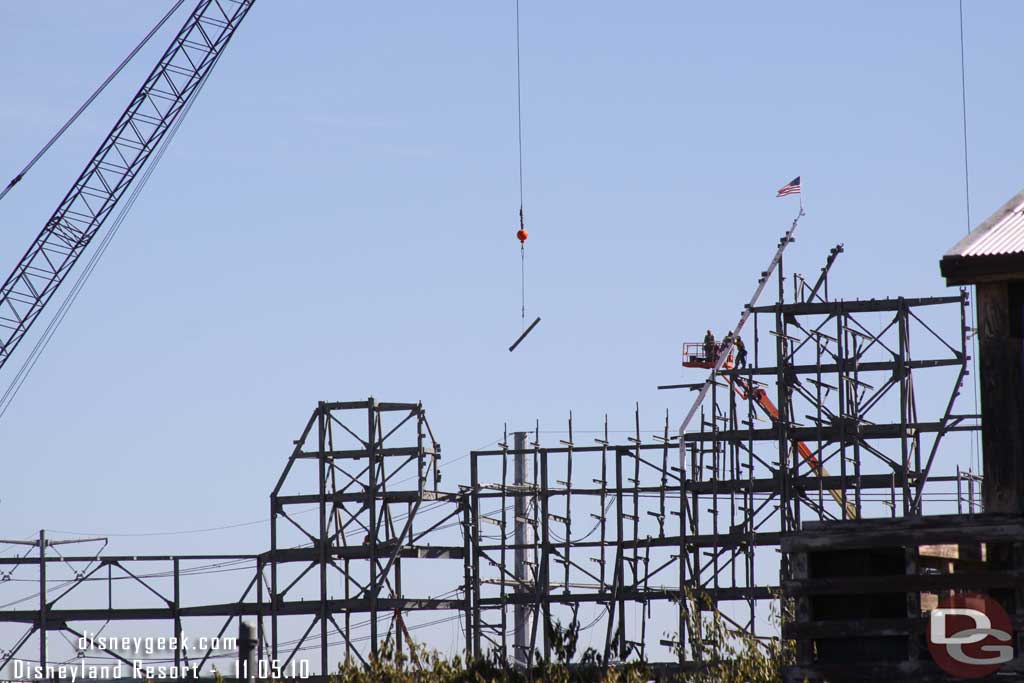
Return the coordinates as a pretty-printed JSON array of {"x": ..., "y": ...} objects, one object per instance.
[
  {"x": 991, "y": 258},
  {"x": 994, "y": 251}
]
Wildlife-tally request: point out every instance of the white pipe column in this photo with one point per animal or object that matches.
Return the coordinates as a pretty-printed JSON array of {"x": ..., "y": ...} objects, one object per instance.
[{"x": 523, "y": 479}]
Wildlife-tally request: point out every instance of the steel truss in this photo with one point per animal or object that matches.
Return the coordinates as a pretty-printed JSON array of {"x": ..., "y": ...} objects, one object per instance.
[
  {"x": 606, "y": 531},
  {"x": 849, "y": 438},
  {"x": 364, "y": 452},
  {"x": 121, "y": 157},
  {"x": 376, "y": 472}
]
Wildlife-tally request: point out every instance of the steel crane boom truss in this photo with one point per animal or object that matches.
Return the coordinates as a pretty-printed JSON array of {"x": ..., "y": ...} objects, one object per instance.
[{"x": 118, "y": 161}]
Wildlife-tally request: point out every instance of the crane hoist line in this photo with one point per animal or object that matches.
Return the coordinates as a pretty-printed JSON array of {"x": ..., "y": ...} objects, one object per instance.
[{"x": 121, "y": 157}]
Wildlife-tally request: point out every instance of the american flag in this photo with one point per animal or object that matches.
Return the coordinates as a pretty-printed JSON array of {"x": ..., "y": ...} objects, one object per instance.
[{"x": 792, "y": 187}]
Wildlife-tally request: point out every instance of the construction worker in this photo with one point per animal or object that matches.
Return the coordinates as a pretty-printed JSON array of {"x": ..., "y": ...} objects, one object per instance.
[
  {"x": 723, "y": 345},
  {"x": 741, "y": 352},
  {"x": 709, "y": 347}
]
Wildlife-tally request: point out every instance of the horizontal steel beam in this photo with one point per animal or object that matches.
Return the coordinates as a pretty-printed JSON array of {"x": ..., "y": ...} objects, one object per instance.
[
  {"x": 362, "y": 552},
  {"x": 858, "y": 306},
  {"x": 59, "y": 617},
  {"x": 716, "y": 594}
]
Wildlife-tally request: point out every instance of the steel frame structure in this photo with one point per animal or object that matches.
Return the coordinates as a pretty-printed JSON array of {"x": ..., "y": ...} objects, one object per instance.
[
  {"x": 844, "y": 375},
  {"x": 845, "y": 400},
  {"x": 613, "y": 528},
  {"x": 362, "y": 456},
  {"x": 365, "y": 530}
]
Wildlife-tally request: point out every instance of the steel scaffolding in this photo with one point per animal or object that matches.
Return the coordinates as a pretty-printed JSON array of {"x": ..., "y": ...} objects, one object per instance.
[
  {"x": 841, "y": 415},
  {"x": 842, "y": 434},
  {"x": 374, "y": 471}
]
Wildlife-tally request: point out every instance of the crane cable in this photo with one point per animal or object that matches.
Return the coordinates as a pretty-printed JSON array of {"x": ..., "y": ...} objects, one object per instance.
[
  {"x": 522, "y": 234},
  {"x": 9, "y": 394},
  {"x": 975, "y": 446},
  {"x": 85, "y": 105}
]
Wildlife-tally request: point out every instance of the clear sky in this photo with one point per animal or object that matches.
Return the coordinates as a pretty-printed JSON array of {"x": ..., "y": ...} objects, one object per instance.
[{"x": 336, "y": 220}]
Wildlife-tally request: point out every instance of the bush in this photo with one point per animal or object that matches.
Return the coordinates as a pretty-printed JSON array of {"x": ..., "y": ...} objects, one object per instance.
[
  {"x": 729, "y": 655},
  {"x": 420, "y": 665},
  {"x": 724, "y": 655}
]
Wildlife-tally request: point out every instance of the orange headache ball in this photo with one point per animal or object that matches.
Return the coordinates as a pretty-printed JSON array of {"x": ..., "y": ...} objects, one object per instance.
[{"x": 522, "y": 234}]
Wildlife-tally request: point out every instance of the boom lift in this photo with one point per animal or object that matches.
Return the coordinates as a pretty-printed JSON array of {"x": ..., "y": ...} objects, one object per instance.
[
  {"x": 721, "y": 358},
  {"x": 748, "y": 389},
  {"x": 695, "y": 355}
]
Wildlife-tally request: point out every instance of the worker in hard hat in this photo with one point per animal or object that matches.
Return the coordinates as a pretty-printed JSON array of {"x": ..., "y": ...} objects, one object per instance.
[
  {"x": 741, "y": 352},
  {"x": 709, "y": 347}
]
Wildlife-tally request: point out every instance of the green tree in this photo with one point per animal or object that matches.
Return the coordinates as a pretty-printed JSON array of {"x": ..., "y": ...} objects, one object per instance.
[{"x": 730, "y": 655}]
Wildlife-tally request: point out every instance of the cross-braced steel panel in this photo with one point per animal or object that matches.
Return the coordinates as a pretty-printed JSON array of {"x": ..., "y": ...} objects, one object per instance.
[{"x": 828, "y": 421}]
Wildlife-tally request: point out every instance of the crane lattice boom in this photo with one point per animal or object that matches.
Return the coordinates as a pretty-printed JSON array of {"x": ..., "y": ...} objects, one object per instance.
[{"x": 110, "y": 172}]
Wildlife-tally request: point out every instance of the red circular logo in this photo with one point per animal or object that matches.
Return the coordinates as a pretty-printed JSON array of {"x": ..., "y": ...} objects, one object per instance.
[{"x": 970, "y": 635}]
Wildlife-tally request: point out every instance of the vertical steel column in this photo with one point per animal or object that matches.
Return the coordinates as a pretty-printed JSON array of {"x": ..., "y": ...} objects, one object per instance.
[
  {"x": 176, "y": 608},
  {"x": 662, "y": 508},
  {"x": 399, "y": 617},
  {"x": 503, "y": 590},
  {"x": 474, "y": 533},
  {"x": 818, "y": 424},
  {"x": 841, "y": 387},
  {"x": 697, "y": 472},
  {"x": 620, "y": 554},
  {"x": 273, "y": 576},
  {"x": 371, "y": 504},
  {"x": 901, "y": 377},
  {"x": 715, "y": 479},
  {"x": 681, "y": 558},
  {"x": 602, "y": 516},
  {"x": 635, "y": 565},
  {"x": 617, "y": 580},
  {"x": 420, "y": 459},
  {"x": 323, "y": 415},
  {"x": 259, "y": 609},
  {"x": 757, "y": 340},
  {"x": 523, "y": 538},
  {"x": 348, "y": 613},
  {"x": 42, "y": 599},
  {"x": 786, "y": 498},
  {"x": 733, "y": 474},
  {"x": 748, "y": 496},
  {"x": 545, "y": 554},
  {"x": 567, "y": 548},
  {"x": 467, "y": 546}
]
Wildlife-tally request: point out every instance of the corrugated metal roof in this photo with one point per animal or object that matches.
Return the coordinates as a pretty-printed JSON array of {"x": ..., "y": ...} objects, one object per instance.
[{"x": 1001, "y": 233}]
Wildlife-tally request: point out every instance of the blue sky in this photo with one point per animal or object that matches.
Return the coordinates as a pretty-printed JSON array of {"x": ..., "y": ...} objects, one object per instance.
[{"x": 336, "y": 219}]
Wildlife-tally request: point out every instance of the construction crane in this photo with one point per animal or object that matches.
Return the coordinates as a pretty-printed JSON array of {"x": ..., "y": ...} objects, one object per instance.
[{"x": 123, "y": 154}]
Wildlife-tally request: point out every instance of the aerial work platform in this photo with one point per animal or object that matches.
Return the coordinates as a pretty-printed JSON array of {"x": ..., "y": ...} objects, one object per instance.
[{"x": 695, "y": 355}]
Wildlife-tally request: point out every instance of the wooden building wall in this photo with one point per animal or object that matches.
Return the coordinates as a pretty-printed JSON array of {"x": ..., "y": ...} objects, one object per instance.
[{"x": 1000, "y": 308}]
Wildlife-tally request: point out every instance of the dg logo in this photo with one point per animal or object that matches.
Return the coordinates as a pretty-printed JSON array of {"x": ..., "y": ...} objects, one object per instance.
[{"x": 970, "y": 635}]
